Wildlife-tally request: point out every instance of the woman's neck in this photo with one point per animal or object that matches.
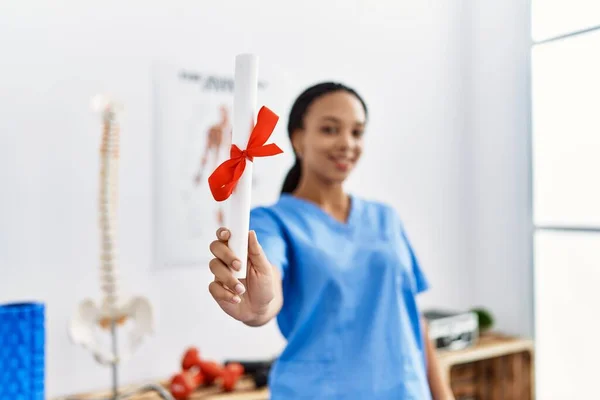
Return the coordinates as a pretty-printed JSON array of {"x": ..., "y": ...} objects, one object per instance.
[{"x": 331, "y": 198}]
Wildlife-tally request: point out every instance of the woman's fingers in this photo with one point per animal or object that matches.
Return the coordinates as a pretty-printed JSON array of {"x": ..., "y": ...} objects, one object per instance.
[
  {"x": 219, "y": 293},
  {"x": 224, "y": 275},
  {"x": 222, "y": 252}
]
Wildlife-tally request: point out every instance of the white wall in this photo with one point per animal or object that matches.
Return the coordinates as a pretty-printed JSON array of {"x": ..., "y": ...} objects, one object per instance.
[
  {"x": 407, "y": 58},
  {"x": 498, "y": 105}
]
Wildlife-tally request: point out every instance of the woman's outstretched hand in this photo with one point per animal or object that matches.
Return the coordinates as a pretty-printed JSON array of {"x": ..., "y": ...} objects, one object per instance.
[{"x": 253, "y": 300}]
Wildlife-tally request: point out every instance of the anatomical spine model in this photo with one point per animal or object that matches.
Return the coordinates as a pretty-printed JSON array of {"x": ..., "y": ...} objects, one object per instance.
[{"x": 113, "y": 310}]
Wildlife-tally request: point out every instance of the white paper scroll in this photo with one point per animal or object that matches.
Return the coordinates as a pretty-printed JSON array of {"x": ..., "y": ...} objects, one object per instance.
[{"x": 244, "y": 118}]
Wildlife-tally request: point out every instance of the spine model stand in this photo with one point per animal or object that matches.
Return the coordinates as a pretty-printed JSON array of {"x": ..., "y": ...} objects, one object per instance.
[{"x": 91, "y": 321}]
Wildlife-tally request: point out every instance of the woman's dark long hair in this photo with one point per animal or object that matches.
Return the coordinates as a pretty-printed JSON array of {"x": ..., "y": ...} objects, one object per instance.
[{"x": 296, "y": 121}]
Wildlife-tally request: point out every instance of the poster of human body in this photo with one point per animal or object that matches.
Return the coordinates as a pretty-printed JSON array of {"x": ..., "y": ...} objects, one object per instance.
[{"x": 193, "y": 113}]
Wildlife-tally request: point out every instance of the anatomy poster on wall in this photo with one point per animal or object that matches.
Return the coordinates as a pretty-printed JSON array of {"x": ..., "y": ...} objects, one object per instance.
[{"x": 193, "y": 111}]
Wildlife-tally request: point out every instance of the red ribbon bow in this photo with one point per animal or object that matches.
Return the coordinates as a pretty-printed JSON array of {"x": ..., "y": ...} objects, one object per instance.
[{"x": 224, "y": 179}]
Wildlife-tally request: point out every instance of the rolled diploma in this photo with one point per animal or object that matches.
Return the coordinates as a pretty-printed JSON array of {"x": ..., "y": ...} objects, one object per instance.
[{"x": 244, "y": 110}]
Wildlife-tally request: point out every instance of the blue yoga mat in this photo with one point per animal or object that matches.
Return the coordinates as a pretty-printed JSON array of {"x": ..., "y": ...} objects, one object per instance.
[{"x": 22, "y": 351}]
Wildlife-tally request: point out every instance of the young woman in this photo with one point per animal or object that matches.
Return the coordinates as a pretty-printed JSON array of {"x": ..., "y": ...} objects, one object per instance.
[{"x": 336, "y": 271}]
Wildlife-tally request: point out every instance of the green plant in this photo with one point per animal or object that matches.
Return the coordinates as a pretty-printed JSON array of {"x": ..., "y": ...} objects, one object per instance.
[{"x": 485, "y": 319}]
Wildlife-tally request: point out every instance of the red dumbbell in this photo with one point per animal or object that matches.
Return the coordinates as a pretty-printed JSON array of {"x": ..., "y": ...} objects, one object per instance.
[
  {"x": 185, "y": 383},
  {"x": 191, "y": 359},
  {"x": 211, "y": 371},
  {"x": 231, "y": 374}
]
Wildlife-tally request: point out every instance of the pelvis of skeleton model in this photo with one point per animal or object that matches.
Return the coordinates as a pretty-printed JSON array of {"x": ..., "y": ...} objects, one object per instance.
[{"x": 91, "y": 328}]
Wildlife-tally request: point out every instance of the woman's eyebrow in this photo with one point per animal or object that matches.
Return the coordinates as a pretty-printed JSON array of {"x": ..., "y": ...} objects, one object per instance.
[
  {"x": 331, "y": 118},
  {"x": 339, "y": 121}
]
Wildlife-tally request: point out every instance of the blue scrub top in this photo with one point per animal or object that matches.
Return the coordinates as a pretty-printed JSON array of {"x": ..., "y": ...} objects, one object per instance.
[{"x": 350, "y": 316}]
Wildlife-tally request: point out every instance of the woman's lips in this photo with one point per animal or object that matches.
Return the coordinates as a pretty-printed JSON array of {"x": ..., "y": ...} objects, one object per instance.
[{"x": 342, "y": 163}]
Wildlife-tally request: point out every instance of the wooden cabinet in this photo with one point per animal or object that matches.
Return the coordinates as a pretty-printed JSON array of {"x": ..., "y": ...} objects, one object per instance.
[{"x": 497, "y": 368}]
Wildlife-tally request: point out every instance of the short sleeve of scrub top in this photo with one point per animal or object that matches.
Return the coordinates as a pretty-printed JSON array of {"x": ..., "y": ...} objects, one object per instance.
[
  {"x": 270, "y": 236},
  {"x": 350, "y": 315}
]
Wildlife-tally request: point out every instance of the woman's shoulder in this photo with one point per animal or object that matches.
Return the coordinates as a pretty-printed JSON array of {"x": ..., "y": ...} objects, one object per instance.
[
  {"x": 276, "y": 218},
  {"x": 376, "y": 207},
  {"x": 269, "y": 208},
  {"x": 280, "y": 208},
  {"x": 271, "y": 213},
  {"x": 263, "y": 211}
]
